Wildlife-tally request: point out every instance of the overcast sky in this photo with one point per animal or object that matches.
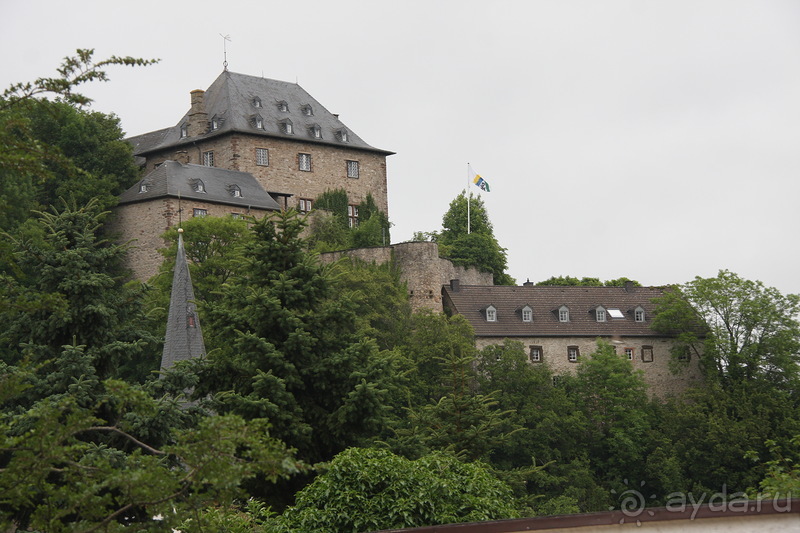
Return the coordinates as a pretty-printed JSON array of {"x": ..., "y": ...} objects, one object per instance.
[{"x": 658, "y": 140}]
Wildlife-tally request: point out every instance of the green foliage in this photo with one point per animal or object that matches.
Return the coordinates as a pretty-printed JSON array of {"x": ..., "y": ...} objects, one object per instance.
[
  {"x": 368, "y": 489},
  {"x": 331, "y": 228},
  {"x": 478, "y": 247},
  {"x": 66, "y": 287},
  {"x": 53, "y": 149},
  {"x": 783, "y": 471},
  {"x": 335, "y": 201},
  {"x": 569, "y": 281},
  {"x": 284, "y": 346}
]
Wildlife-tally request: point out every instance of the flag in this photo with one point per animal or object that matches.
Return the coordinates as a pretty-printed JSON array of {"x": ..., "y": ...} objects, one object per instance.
[{"x": 479, "y": 181}]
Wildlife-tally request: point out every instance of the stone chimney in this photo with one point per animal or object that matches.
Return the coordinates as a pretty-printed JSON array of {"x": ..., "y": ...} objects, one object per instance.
[
  {"x": 198, "y": 118},
  {"x": 455, "y": 285},
  {"x": 182, "y": 157},
  {"x": 629, "y": 286}
]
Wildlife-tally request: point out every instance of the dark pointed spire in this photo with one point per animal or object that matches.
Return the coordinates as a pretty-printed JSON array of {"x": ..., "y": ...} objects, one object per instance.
[{"x": 184, "y": 339}]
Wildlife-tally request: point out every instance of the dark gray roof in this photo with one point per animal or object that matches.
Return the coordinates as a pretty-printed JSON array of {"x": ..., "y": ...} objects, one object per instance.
[
  {"x": 184, "y": 339},
  {"x": 176, "y": 179},
  {"x": 471, "y": 301},
  {"x": 230, "y": 99}
]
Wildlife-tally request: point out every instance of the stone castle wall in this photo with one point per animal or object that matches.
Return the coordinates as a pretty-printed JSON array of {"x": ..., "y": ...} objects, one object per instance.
[
  {"x": 141, "y": 225},
  {"x": 661, "y": 382},
  {"x": 282, "y": 174},
  {"x": 421, "y": 268}
]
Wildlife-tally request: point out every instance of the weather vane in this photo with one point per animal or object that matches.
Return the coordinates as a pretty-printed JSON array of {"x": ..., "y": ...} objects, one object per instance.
[{"x": 225, "y": 39}]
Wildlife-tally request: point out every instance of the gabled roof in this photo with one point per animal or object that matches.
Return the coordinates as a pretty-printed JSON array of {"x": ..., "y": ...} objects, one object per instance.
[
  {"x": 184, "y": 339},
  {"x": 231, "y": 100},
  {"x": 471, "y": 300},
  {"x": 176, "y": 179}
]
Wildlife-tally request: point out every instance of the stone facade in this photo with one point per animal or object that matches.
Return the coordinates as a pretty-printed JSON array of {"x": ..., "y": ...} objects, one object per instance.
[
  {"x": 661, "y": 381},
  {"x": 423, "y": 271},
  {"x": 141, "y": 225},
  {"x": 282, "y": 174}
]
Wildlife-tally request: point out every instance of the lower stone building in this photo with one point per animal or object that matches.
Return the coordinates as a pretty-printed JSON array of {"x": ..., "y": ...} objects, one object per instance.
[
  {"x": 559, "y": 325},
  {"x": 173, "y": 192}
]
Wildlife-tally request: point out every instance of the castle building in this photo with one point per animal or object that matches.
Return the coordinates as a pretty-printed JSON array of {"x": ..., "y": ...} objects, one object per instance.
[
  {"x": 247, "y": 145},
  {"x": 559, "y": 325}
]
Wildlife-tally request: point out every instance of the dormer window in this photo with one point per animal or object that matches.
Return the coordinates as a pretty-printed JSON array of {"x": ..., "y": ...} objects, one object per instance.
[
  {"x": 307, "y": 110},
  {"x": 199, "y": 186},
  {"x": 258, "y": 122},
  {"x": 600, "y": 314},
  {"x": 257, "y": 102},
  {"x": 144, "y": 187},
  {"x": 527, "y": 314},
  {"x": 184, "y": 131},
  {"x": 563, "y": 314},
  {"x": 283, "y": 107},
  {"x": 315, "y": 131},
  {"x": 287, "y": 127},
  {"x": 214, "y": 123},
  {"x": 491, "y": 314},
  {"x": 638, "y": 314},
  {"x": 235, "y": 191},
  {"x": 343, "y": 136}
]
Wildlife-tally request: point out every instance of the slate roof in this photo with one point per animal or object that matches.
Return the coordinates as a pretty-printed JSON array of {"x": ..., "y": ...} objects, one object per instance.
[
  {"x": 184, "y": 338},
  {"x": 231, "y": 100},
  {"x": 471, "y": 301},
  {"x": 176, "y": 179}
]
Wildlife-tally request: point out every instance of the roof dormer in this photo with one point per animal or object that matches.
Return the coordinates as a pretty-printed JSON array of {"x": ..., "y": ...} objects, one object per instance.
[
  {"x": 563, "y": 313},
  {"x": 235, "y": 191},
  {"x": 257, "y": 121},
  {"x": 307, "y": 110},
  {"x": 527, "y": 313},
  {"x": 638, "y": 314},
  {"x": 283, "y": 106},
  {"x": 286, "y": 126},
  {"x": 343, "y": 136},
  {"x": 315, "y": 131},
  {"x": 256, "y": 102},
  {"x": 491, "y": 313},
  {"x": 600, "y": 313}
]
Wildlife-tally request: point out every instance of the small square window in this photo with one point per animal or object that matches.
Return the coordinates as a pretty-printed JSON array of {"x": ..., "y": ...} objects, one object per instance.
[
  {"x": 352, "y": 215},
  {"x": 304, "y": 205},
  {"x": 262, "y": 157},
  {"x": 572, "y": 354},
  {"x": 304, "y": 162},
  {"x": 208, "y": 159},
  {"x": 352, "y": 169},
  {"x": 199, "y": 212},
  {"x": 647, "y": 354},
  {"x": 536, "y": 354}
]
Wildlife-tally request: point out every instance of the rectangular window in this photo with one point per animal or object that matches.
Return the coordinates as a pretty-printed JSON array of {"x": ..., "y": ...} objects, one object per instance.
[
  {"x": 237, "y": 216},
  {"x": 601, "y": 315},
  {"x": 639, "y": 315},
  {"x": 647, "y": 354},
  {"x": 527, "y": 314},
  {"x": 304, "y": 162},
  {"x": 199, "y": 212},
  {"x": 262, "y": 157},
  {"x": 352, "y": 215},
  {"x": 563, "y": 314},
  {"x": 572, "y": 354},
  {"x": 536, "y": 354},
  {"x": 304, "y": 205},
  {"x": 208, "y": 159},
  {"x": 629, "y": 354},
  {"x": 491, "y": 314},
  {"x": 352, "y": 169}
]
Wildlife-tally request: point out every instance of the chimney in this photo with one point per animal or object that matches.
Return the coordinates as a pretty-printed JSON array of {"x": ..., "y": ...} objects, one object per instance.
[
  {"x": 455, "y": 285},
  {"x": 629, "y": 286},
  {"x": 198, "y": 118},
  {"x": 182, "y": 157},
  {"x": 528, "y": 283}
]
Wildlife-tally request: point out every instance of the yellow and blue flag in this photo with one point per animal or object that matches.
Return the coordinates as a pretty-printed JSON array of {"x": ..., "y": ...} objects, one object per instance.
[{"x": 479, "y": 181}]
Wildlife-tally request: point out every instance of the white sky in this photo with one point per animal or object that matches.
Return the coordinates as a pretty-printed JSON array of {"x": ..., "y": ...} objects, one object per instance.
[{"x": 657, "y": 140}]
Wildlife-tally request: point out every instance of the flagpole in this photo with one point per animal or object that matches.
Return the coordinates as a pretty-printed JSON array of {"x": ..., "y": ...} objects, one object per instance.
[{"x": 469, "y": 197}]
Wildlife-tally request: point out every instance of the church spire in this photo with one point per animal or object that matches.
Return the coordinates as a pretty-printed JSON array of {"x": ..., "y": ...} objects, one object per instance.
[{"x": 184, "y": 339}]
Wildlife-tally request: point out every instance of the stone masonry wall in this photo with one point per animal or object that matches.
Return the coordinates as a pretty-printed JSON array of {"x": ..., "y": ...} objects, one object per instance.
[
  {"x": 328, "y": 166},
  {"x": 143, "y": 223},
  {"x": 421, "y": 268},
  {"x": 661, "y": 382}
]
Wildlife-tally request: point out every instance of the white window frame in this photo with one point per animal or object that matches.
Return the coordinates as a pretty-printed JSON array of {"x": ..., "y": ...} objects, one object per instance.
[
  {"x": 563, "y": 314},
  {"x": 199, "y": 186},
  {"x": 257, "y": 102},
  {"x": 527, "y": 314},
  {"x": 491, "y": 314},
  {"x": 600, "y": 314},
  {"x": 629, "y": 353},
  {"x": 199, "y": 212},
  {"x": 304, "y": 162},
  {"x": 638, "y": 314},
  {"x": 573, "y": 353},
  {"x": 352, "y": 169},
  {"x": 184, "y": 131},
  {"x": 304, "y": 205},
  {"x": 208, "y": 158},
  {"x": 352, "y": 215},
  {"x": 535, "y": 354},
  {"x": 262, "y": 157},
  {"x": 236, "y": 191}
]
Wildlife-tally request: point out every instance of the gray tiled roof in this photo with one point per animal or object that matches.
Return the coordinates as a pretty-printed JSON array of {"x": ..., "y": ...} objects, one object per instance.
[
  {"x": 176, "y": 179},
  {"x": 184, "y": 338},
  {"x": 230, "y": 99},
  {"x": 471, "y": 301}
]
